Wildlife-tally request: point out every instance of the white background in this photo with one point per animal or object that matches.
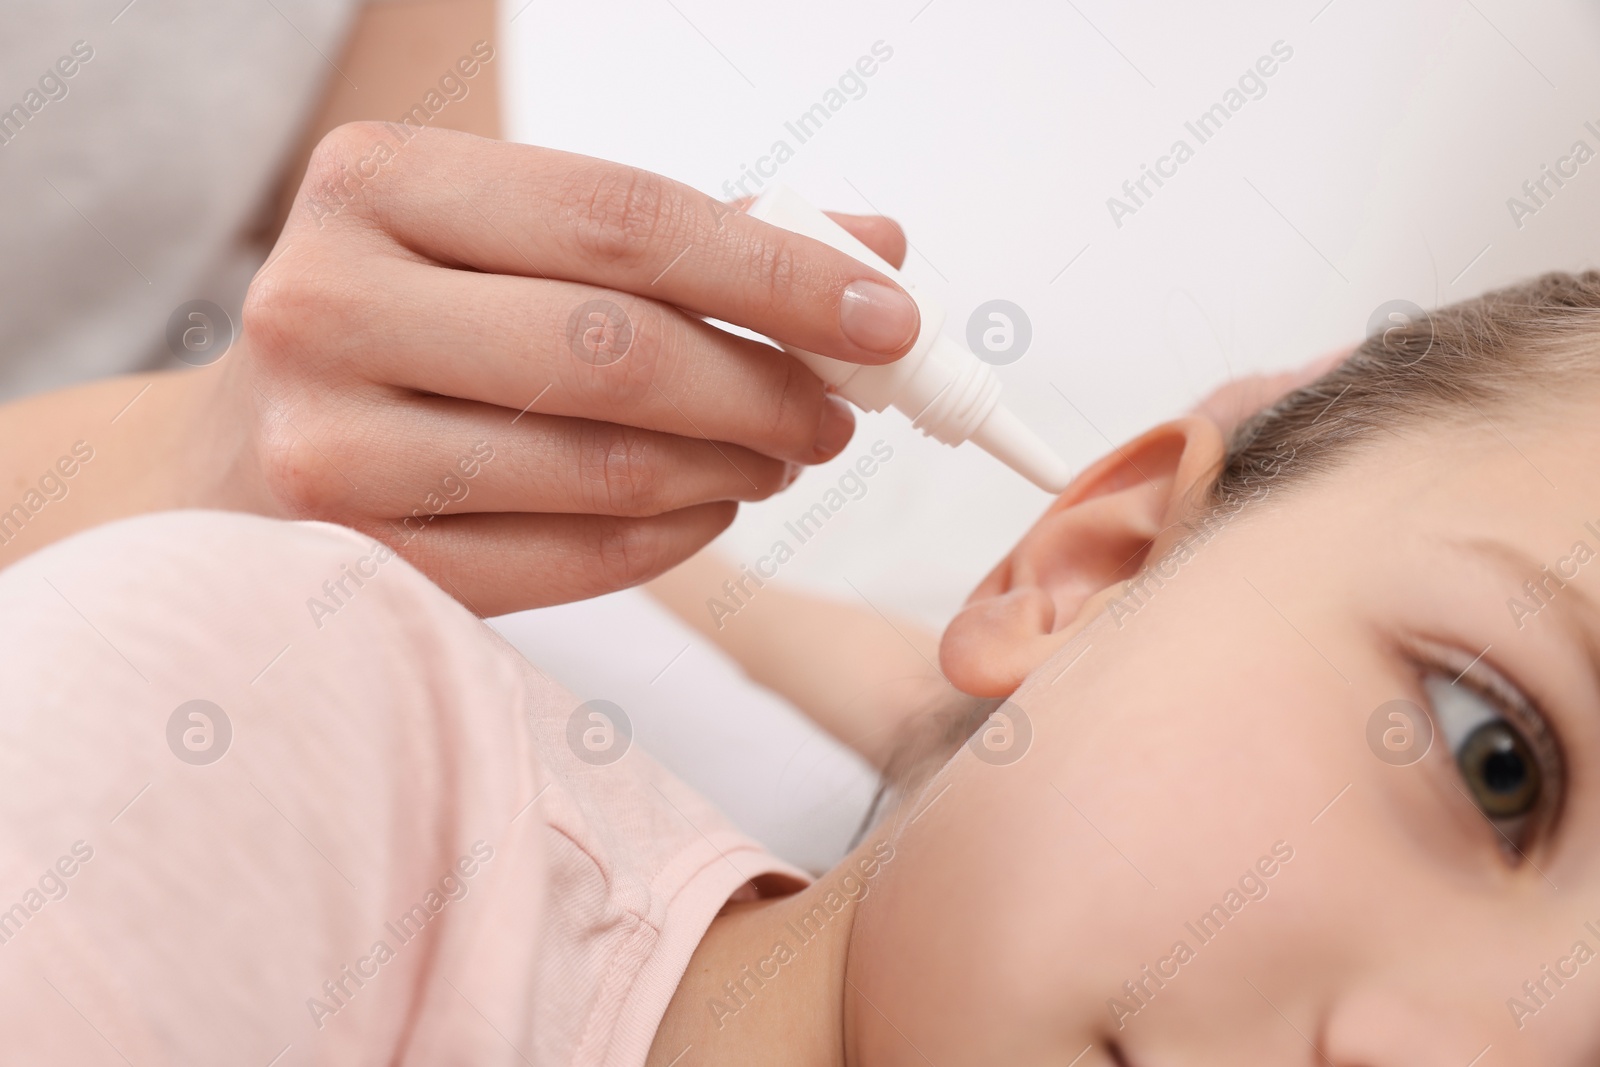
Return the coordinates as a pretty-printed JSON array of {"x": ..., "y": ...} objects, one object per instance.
[{"x": 1377, "y": 166}]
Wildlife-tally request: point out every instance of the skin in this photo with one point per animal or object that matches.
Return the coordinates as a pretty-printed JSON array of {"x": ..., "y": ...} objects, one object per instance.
[
  {"x": 417, "y": 310},
  {"x": 1395, "y": 934},
  {"x": 156, "y": 454},
  {"x": 880, "y": 679},
  {"x": 1401, "y": 924}
]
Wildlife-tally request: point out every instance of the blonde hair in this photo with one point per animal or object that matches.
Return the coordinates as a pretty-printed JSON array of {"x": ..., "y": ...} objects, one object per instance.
[{"x": 1511, "y": 346}]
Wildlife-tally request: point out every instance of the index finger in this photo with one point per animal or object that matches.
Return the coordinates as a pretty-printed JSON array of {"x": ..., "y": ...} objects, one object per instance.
[{"x": 506, "y": 208}]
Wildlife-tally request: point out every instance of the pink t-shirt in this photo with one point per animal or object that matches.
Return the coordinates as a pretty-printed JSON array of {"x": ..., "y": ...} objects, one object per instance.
[{"x": 271, "y": 797}]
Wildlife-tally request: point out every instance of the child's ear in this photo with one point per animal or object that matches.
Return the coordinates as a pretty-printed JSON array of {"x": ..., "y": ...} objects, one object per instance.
[{"x": 1099, "y": 533}]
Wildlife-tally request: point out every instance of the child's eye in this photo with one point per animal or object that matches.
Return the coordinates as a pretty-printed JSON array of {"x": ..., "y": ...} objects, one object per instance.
[{"x": 1503, "y": 748}]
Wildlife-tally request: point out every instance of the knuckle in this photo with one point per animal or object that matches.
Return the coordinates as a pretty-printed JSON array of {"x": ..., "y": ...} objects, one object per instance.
[
  {"x": 620, "y": 212},
  {"x": 792, "y": 425},
  {"x": 268, "y": 322},
  {"x": 299, "y": 479},
  {"x": 287, "y": 315},
  {"x": 631, "y": 381},
  {"x": 640, "y": 372},
  {"x": 619, "y": 464},
  {"x": 342, "y": 168},
  {"x": 626, "y": 552},
  {"x": 778, "y": 267},
  {"x": 338, "y": 145}
]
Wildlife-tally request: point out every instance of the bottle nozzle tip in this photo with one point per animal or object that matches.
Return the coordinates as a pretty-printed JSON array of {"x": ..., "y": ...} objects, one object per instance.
[{"x": 1005, "y": 437}]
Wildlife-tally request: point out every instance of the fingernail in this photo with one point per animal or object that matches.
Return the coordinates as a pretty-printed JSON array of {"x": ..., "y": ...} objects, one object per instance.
[
  {"x": 834, "y": 431},
  {"x": 878, "y": 318},
  {"x": 791, "y": 471}
]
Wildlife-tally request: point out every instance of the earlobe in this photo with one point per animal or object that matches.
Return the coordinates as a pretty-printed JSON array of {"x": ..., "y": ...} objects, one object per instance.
[
  {"x": 1100, "y": 532},
  {"x": 994, "y": 642}
]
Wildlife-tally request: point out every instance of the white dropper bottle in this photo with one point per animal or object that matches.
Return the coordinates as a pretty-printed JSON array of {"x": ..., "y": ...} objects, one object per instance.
[{"x": 948, "y": 393}]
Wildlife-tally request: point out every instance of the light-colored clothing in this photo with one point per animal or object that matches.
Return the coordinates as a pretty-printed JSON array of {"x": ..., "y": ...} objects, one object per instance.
[
  {"x": 132, "y": 184},
  {"x": 407, "y": 853}
]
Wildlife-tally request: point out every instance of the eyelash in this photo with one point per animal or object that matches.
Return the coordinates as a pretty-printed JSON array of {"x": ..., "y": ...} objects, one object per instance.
[{"x": 1522, "y": 713}]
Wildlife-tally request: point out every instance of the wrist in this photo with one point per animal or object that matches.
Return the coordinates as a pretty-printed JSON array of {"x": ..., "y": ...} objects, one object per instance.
[{"x": 208, "y": 444}]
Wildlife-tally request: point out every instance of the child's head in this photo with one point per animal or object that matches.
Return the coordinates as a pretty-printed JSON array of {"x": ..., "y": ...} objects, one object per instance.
[{"x": 1302, "y": 756}]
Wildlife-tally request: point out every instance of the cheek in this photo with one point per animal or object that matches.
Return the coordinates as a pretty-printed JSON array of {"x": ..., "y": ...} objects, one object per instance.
[
  {"x": 1038, "y": 876},
  {"x": 1145, "y": 797},
  {"x": 964, "y": 885}
]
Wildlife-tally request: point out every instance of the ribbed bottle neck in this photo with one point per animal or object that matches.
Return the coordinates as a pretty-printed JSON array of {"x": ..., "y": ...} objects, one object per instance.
[{"x": 959, "y": 406}]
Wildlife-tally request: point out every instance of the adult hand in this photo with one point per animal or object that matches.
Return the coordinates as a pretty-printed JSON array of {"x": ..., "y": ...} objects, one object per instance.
[{"x": 492, "y": 357}]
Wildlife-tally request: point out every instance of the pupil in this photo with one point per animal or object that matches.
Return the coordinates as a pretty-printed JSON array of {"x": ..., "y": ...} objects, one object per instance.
[
  {"x": 1499, "y": 766},
  {"x": 1504, "y": 771}
]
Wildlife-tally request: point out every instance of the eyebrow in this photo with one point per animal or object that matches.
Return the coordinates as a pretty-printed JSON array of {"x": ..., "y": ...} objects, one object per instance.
[{"x": 1514, "y": 563}]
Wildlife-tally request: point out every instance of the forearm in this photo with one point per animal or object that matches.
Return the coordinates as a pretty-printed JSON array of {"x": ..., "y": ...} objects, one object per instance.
[
  {"x": 82, "y": 456},
  {"x": 160, "y": 441},
  {"x": 857, "y": 674}
]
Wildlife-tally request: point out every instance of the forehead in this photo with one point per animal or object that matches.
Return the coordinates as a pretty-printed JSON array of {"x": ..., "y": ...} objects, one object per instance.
[{"x": 1531, "y": 478}]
